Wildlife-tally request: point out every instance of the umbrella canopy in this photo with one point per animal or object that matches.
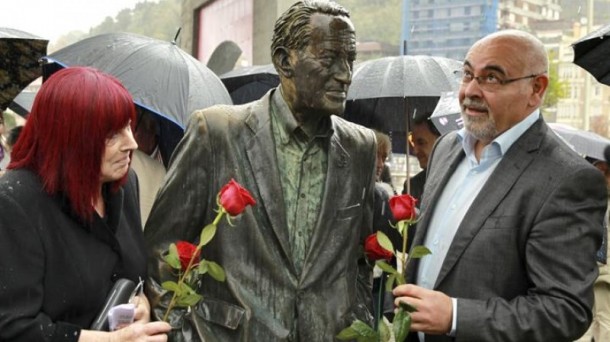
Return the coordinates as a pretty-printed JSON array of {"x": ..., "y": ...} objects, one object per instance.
[
  {"x": 447, "y": 115},
  {"x": 22, "y": 103},
  {"x": 585, "y": 143},
  {"x": 250, "y": 83},
  {"x": 161, "y": 77},
  {"x": 388, "y": 93},
  {"x": 591, "y": 53},
  {"x": 20, "y": 53}
]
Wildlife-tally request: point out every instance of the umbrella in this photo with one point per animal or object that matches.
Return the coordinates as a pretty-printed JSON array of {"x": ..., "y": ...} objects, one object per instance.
[
  {"x": 586, "y": 143},
  {"x": 250, "y": 83},
  {"x": 22, "y": 103},
  {"x": 20, "y": 53},
  {"x": 385, "y": 92},
  {"x": 161, "y": 77},
  {"x": 447, "y": 115},
  {"x": 591, "y": 53}
]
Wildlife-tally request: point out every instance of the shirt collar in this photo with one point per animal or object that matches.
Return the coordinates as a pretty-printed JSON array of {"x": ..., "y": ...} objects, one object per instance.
[
  {"x": 289, "y": 126},
  {"x": 505, "y": 140}
]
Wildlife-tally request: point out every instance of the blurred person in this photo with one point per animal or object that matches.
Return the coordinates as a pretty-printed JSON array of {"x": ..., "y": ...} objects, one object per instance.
[
  {"x": 147, "y": 161},
  {"x": 69, "y": 216},
  {"x": 512, "y": 215},
  {"x": 294, "y": 265},
  {"x": 147, "y": 134},
  {"x": 383, "y": 221},
  {"x": 4, "y": 155},
  {"x": 384, "y": 148},
  {"x": 423, "y": 137},
  {"x": 13, "y": 135},
  {"x": 600, "y": 328}
]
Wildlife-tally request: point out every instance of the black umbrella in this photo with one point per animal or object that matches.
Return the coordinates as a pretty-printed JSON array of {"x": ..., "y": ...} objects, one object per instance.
[
  {"x": 385, "y": 92},
  {"x": 587, "y": 144},
  {"x": 20, "y": 53},
  {"x": 161, "y": 77},
  {"x": 22, "y": 103},
  {"x": 250, "y": 83},
  {"x": 591, "y": 53},
  {"x": 447, "y": 115}
]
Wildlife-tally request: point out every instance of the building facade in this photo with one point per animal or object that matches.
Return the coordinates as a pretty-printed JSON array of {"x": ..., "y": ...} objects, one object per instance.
[
  {"x": 248, "y": 23},
  {"x": 447, "y": 28}
]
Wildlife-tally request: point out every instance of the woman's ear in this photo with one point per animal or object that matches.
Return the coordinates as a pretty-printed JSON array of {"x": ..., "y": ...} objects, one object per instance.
[{"x": 281, "y": 60}]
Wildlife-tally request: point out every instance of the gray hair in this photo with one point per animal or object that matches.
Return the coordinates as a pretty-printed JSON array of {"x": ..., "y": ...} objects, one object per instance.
[{"x": 293, "y": 30}]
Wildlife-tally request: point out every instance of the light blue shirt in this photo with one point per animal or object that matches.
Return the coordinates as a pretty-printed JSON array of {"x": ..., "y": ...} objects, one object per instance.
[{"x": 463, "y": 187}]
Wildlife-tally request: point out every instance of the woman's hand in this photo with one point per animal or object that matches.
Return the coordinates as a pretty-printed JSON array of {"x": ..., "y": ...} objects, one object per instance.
[
  {"x": 140, "y": 332},
  {"x": 136, "y": 332},
  {"x": 142, "y": 314}
]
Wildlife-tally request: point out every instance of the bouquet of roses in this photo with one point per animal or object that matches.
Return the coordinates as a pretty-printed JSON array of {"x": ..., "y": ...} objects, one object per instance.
[
  {"x": 184, "y": 257},
  {"x": 378, "y": 247}
]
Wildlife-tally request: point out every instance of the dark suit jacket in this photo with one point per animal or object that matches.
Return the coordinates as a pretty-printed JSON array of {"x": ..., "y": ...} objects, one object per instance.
[
  {"x": 522, "y": 262},
  {"x": 55, "y": 270},
  {"x": 417, "y": 185},
  {"x": 263, "y": 298}
]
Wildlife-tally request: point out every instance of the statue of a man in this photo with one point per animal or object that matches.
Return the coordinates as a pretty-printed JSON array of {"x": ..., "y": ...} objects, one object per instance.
[{"x": 295, "y": 269}]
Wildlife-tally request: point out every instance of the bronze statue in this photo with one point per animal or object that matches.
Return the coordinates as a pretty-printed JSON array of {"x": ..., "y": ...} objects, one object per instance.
[{"x": 294, "y": 262}]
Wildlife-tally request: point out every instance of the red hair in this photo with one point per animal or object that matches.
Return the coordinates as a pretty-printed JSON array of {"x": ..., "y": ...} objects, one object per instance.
[{"x": 64, "y": 138}]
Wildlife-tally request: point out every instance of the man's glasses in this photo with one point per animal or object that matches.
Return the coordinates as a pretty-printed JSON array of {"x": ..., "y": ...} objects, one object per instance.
[{"x": 490, "y": 81}]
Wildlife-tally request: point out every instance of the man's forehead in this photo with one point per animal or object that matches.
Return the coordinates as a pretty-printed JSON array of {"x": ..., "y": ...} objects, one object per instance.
[
  {"x": 498, "y": 54},
  {"x": 325, "y": 25}
]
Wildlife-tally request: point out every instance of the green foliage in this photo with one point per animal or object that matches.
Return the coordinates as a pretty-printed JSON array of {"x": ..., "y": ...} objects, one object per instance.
[
  {"x": 376, "y": 20},
  {"x": 384, "y": 241},
  {"x": 216, "y": 271},
  {"x": 418, "y": 252},
  {"x": 172, "y": 258},
  {"x": 154, "y": 19},
  {"x": 401, "y": 323},
  {"x": 557, "y": 88},
  {"x": 359, "y": 331},
  {"x": 207, "y": 234}
]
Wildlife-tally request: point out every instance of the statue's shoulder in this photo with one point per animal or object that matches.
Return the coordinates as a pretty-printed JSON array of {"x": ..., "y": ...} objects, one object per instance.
[{"x": 349, "y": 130}]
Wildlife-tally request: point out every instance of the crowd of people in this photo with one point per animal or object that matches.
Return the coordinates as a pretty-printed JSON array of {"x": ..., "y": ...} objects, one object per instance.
[{"x": 514, "y": 218}]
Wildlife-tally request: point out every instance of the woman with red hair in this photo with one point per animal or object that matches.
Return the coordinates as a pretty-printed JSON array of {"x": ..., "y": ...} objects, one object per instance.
[{"x": 69, "y": 214}]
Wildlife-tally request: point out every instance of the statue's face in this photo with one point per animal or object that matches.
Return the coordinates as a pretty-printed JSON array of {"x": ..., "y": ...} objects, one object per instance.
[{"x": 323, "y": 69}]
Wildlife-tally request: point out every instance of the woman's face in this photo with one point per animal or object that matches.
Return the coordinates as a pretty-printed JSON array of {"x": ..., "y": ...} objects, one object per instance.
[{"x": 115, "y": 160}]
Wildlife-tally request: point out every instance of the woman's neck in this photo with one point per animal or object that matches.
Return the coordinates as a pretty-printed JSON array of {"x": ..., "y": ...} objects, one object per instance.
[{"x": 99, "y": 205}]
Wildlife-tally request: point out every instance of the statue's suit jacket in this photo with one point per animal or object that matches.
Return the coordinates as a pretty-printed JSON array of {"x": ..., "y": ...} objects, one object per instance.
[
  {"x": 522, "y": 262},
  {"x": 263, "y": 298}
]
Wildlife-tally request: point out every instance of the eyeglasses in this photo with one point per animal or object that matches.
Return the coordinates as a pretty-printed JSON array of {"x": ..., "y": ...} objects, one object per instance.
[{"x": 490, "y": 81}]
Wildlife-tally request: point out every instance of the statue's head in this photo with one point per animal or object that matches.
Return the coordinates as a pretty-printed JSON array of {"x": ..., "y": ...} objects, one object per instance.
[{"x": 313, "y": 50}]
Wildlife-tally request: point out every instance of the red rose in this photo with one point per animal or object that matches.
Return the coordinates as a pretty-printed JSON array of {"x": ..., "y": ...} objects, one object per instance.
[
  {"x": 186, "y": 250},
  {"x": 373, "y": 249},
  {"x": 403, "y": 207},
  {"x": 234, "y": 199}
]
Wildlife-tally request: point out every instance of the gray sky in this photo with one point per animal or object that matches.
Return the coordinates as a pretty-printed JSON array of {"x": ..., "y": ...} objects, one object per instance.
[{"x": 52, "y": 18}]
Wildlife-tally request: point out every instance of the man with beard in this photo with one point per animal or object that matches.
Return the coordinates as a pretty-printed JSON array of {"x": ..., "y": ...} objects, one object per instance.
[
  {"x": 295, "y": 270},
  {"x": 512, "y": 215}
]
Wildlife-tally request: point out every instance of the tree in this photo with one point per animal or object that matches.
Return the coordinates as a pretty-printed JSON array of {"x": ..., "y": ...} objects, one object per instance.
[
  {"x": 158, "y": 20},
  {"x": 556, "y": 89},
  {"x": 376, "y": 20}
]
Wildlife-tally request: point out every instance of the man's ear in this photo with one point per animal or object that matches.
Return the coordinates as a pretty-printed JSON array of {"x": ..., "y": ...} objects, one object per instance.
[
  {"x": 541, "y": 84},
  {"x": 281, "y": 60}
]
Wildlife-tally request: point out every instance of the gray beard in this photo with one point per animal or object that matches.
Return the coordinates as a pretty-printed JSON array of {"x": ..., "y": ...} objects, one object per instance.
[{"x": 482, "y": 128}]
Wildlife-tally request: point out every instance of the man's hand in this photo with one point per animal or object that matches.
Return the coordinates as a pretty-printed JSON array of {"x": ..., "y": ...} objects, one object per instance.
[{"x": 434, "y": 309}]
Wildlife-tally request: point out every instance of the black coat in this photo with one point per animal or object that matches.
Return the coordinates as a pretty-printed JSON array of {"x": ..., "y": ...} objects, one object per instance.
[{"x": 55, "y": 270}]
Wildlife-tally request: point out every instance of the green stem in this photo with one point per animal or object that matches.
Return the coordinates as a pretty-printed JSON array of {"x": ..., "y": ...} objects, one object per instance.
[
  {"x": 405, "y": 238},
  {"x": 182, "y": 278}
]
